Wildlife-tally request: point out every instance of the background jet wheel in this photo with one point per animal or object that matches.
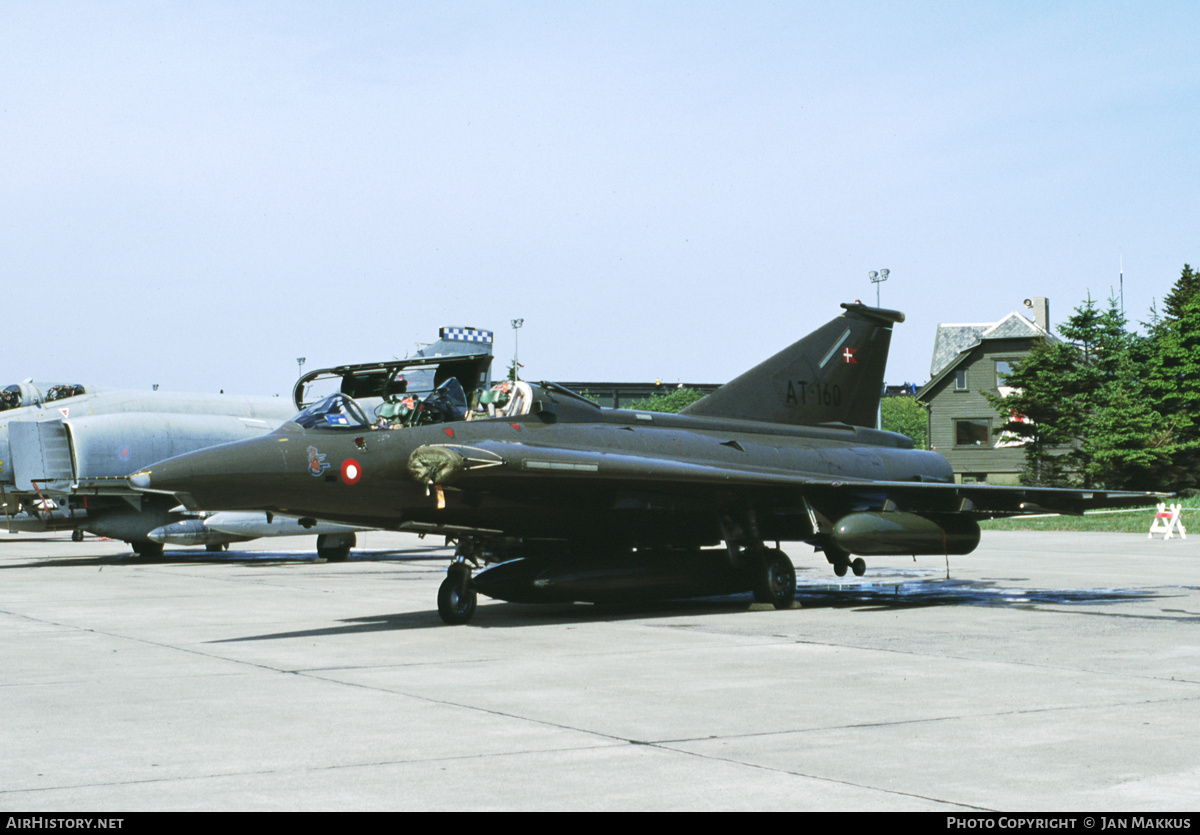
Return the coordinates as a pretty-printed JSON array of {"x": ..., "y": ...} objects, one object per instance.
[
  {"x": 456, "y": 600},
  {"x": 335, "y": 547},
  {"x": 859, "y": 566},
  {"x": 146, "y": 548},
  {"x": 777, "y": 580}
]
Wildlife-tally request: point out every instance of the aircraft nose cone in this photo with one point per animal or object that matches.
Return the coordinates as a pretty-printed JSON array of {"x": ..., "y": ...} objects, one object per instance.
[{"x": 227, "y": 477}]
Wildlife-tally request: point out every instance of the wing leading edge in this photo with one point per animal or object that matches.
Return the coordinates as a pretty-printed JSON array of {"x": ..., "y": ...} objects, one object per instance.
[{"x": 503, "y": 466}]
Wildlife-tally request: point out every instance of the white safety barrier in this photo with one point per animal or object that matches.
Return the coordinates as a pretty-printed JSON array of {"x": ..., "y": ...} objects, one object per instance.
[{"x": 1167, "y": 520}]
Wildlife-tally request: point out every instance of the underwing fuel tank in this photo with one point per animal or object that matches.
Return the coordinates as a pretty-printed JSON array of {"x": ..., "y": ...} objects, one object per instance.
[
  {"x": 900, "y": 534},
  {"x": 603, "y": 579},
  {"x": 192, "y": 532}
]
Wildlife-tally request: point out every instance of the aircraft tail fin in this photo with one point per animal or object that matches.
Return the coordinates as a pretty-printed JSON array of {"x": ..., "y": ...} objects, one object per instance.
[{"x": 833, "y": 375}]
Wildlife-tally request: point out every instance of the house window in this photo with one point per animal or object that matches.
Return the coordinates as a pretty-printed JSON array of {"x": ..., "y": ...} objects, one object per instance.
[
  {"x": 1003, "y": 369},
  {"x": 972, "y": 431},
  {"x": 960, "y": 380}
]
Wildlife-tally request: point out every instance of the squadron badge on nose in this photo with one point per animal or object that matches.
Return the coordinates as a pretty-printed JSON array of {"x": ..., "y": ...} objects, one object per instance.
[{"x": 316, "y": 461}]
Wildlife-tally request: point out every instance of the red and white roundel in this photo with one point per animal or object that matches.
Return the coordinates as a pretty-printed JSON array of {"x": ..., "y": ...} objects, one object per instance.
[{"x": 351, "y": 471}]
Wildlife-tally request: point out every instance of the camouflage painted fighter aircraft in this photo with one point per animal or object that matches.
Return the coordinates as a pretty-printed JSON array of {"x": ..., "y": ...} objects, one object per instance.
[{"x": 567, "y": 501}]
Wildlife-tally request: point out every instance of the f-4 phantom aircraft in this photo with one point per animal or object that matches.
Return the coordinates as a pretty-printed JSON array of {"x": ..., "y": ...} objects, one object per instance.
[
  {"x": 66, "y": 451},
  {"x": 565, "y": 501}
]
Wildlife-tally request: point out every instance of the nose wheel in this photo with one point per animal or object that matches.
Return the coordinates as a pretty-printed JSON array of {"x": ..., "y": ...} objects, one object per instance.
[{"x": 456, "y": 597}]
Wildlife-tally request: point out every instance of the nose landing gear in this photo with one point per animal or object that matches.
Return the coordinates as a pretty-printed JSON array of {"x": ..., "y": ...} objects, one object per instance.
[{"x": 457, "y": 598}]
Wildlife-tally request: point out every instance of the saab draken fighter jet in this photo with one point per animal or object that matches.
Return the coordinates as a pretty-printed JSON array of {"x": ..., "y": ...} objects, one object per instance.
[{"x": 567, "y": 501}]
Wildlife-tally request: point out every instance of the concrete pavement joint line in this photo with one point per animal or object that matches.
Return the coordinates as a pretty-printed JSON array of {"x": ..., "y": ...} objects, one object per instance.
[
  {"x": 818, "y": 778},
  {"x": 269, "y": 771},
  {"x": 474, "y": 708},
  {"x": 1005, "y": 661},
  {"x": 925, "y": 721},
  {"x": 1190, "y": 617}
]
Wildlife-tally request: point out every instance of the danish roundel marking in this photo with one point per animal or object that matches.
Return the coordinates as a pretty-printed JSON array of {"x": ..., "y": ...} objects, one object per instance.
[{"x": 351, "y": 471}]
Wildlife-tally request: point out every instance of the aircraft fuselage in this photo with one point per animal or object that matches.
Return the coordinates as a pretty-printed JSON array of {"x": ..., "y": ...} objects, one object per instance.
[{"x": 363, "y": 475}]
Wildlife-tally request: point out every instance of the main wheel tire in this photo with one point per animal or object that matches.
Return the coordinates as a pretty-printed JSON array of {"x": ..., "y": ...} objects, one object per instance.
[
  {"x": 456, "y": 600},
  {"x": 777, "y": 580}
]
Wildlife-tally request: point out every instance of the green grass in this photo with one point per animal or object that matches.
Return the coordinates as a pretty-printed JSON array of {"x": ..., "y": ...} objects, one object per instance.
[{"x": 1102, "y": 521}]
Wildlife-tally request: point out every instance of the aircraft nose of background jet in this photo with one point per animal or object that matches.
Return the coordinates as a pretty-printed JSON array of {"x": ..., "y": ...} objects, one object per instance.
[{"x": 227, "y": 477}]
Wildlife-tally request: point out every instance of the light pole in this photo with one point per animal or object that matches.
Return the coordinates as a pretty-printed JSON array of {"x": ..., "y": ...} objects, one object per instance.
[
  {"x": 878, "y": 278},
  {"x": 516, "y": 326},
  {"x": 299, "y": 367}
]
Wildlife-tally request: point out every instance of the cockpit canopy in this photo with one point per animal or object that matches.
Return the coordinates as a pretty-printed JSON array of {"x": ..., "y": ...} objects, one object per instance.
[
  {"x": 446, "y": 404},
  {"x": 30, "y": 393},
  {"x": 337, "y": 411}
]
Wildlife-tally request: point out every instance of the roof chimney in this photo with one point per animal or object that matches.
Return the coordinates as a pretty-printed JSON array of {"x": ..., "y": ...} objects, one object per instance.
[{"x": 1040, "y": 306}]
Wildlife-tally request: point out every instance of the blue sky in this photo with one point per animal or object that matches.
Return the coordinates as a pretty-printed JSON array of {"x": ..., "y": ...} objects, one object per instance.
[{"x": 197, "y": 194}]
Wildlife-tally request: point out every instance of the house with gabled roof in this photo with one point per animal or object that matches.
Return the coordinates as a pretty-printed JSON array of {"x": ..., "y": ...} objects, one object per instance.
[{"x": 970, "y": 361}]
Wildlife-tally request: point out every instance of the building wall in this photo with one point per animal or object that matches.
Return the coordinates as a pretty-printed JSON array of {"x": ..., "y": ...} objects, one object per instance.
[{"x": 961, "y": 421}]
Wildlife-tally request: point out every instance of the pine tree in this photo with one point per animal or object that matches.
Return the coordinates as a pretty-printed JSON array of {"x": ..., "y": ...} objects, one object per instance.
[
  {"x": 1126, "y": 442},
  {"x": 1173, "y": 382},
  {"x": 1185, "y": 288}
]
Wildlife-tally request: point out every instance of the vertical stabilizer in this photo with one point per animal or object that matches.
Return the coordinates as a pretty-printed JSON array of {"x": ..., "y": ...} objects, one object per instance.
[{"x": 833, "y": 375}]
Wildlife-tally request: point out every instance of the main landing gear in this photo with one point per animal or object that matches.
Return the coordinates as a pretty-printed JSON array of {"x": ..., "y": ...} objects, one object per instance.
[
  {"x": 769, "y": 571},
  {"x": 775, "y": 578}
]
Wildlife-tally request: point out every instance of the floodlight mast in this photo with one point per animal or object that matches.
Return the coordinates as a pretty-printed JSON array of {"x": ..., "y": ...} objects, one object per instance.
[
  {"x": 516, "y": 326},
  {"x": 878, "y": 278}
]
